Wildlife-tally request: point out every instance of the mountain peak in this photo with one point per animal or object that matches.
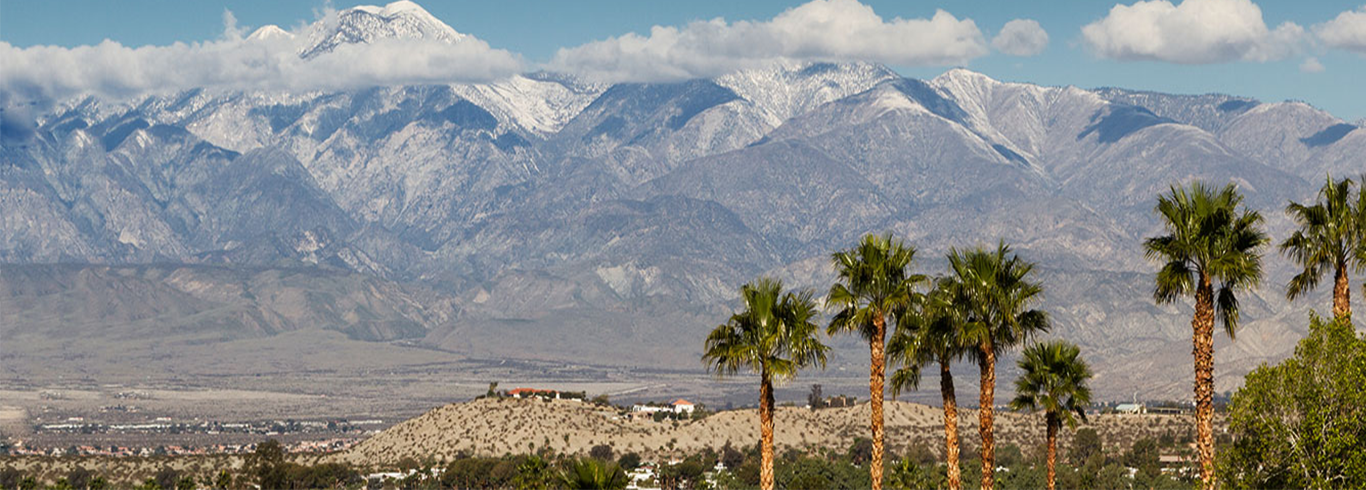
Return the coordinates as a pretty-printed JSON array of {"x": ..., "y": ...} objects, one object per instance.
[
  {"x": 393, "y": 9},
  {"x": 788, "y": 88},
  {"x": 365, "y": 24},
  {"x": 268, "y": 32},
  {"x": 963, "y": 75}
]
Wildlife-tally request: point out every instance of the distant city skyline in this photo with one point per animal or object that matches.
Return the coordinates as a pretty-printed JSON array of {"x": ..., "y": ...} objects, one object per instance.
[{"x": 1309, "y": 51}]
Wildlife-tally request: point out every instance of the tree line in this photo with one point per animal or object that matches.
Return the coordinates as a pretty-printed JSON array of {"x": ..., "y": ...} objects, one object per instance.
[{"x": 985, "y": 305}]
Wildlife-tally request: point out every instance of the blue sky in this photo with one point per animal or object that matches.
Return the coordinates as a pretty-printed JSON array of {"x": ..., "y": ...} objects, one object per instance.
[{"x": 534, "y": 30}]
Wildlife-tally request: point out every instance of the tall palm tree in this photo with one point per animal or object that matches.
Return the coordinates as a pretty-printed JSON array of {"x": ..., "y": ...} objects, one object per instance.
[
  {"x": 930, "y": 333},
  {"x": 1361, "y": 226},
  {"x": 774, "y": 336},
  {"x": 1328, "y": 238},
  {"x": 1054, "y": 379},
  {"x": 875, "y": 280},
  {"x": 1210, "y": 236},
  {"x": 996, "y": 292}
]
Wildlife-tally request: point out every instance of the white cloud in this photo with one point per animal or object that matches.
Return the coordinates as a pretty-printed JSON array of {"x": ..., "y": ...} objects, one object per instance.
[
  {"x": 832, "y": 30},
  {"x": 1021, "y": 37},
  {"x": 1346, "y": 31},
  {"x": 1311, "y": 65},
  {"x": 112, "y": 69},
  {"x": 1194, "y": 32}
]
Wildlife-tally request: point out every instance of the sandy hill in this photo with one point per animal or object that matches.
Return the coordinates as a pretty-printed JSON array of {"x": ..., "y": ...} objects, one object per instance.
[{"x": 493, "y": 427}]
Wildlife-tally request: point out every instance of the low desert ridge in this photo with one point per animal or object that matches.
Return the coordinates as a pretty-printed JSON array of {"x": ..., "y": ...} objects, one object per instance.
[{"x": 499, "y": 426}]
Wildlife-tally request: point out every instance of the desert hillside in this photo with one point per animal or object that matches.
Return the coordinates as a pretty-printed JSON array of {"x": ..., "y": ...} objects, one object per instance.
[{"x": 493, "y": 427}]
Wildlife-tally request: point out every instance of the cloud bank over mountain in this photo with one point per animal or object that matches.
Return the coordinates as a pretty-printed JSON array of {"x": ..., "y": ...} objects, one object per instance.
[
  {"x": 411, "y": 46},
  {"x": 1192, "y": 32},
  {"x": 818, "y": 30},
  {"x": 401, "y": 43}
]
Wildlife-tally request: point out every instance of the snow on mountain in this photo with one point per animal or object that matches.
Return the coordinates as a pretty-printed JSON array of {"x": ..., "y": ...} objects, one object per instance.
[
  {"x": 268, "y": 33},
  {"x": 367, "y": 24},
  {"x": 616, "y": 201},
  {"x": 538, "y": 103},
  {"x": 790, "y": 88},
  {"x": 1017, "y": 116}
]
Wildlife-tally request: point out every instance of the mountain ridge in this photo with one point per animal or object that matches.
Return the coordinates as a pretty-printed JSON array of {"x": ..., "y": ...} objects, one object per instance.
[{"x": 631, "y": 208}]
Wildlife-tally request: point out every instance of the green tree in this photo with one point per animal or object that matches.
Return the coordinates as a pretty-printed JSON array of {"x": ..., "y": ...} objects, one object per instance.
[
  {"x": 1328, "y": 238},
  {"x": 1302, "y": 423},
  {"x": 1085, "y": 443},
  {"x": 1144, "y": 455},
  {"x": 266, "y": 463},
  {"x": 907, "y": 475},
  {"x": 1210, "y": 237},
  {"x": 1053, "y": 380},
  {"x": 874, "y": 281},
  {"x": 930, "y": 332},
  {"x": 996, "y": 291},
  {"x": 590, "y": 473},
  {"x": 774, "y": 336}
]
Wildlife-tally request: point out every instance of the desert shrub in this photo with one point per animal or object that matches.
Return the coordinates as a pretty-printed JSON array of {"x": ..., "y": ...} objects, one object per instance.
[
  {"x": 731, "y": 458},
  {"x": 167, "y": 478},
  {"x": 861, "y": 451},
  {"x": 629, "y": 461},
  {"x": 601, "y": 452},
  {"x": 10, "y": 478}
]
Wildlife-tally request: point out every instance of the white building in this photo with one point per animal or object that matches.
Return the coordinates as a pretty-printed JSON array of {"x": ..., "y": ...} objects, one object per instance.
[
  {"x": 682, "y": 407},
  {"x": 1131, "y": 408}
]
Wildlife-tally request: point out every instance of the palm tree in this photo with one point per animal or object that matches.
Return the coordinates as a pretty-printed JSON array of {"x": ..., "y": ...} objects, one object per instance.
[
  {"x": 1054, "y": 379},
  {"x": 1328, "y": 238},
  {"x": 775, "y": 337},
  {"x": 874, "y": 281},
  {"x": 591, "y": 474},
  {"x": 994, "y": 289},
  {"x": 930, "y": 333},
  {"x": 1209, "y": 237}
]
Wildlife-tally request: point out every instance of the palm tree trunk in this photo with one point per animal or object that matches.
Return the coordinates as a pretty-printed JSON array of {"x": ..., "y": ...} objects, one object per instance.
[
  {"x": 766, "y": 431},
  {"x": 985, "y": 414},
  {"x": 950, "y": 425},
  {"x": 1203, "y": 351},
  {"x": 1053, "y": 423},
  {"x": 1342, "y": 294},
  {"x": 877, "y": 373}
]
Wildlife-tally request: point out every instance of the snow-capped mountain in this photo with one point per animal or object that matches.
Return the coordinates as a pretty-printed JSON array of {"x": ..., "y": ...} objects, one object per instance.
[
  {"x": 367, "y": 24},
  {"x": 573, "y": 209}
]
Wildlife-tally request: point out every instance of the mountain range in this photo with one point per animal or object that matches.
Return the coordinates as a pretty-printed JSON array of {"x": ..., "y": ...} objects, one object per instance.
[{"x": 545, "y": 216}]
